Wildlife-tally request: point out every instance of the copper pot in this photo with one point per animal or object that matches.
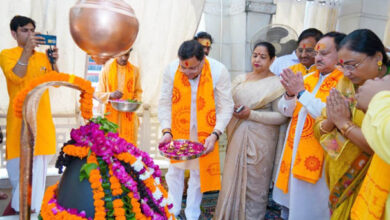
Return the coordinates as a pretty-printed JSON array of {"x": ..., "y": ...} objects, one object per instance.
[{"x": 103, "y": 28}]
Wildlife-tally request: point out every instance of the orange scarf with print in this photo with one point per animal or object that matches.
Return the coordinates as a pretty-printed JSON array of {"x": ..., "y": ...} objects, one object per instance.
[
  {"x": 125, "y": 120},
  {"x": 371, "y": 201},
  {"x": 205, "y": 113},
  {"x": 310, "y": 155}
]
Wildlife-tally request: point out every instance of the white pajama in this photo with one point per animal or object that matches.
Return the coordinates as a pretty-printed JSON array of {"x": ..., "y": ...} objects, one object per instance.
[
  {"x": 40, "y": 165},
  {"x": 175, "y": 181}
]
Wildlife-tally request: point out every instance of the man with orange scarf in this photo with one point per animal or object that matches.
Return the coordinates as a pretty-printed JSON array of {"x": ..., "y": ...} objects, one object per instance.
[
  {"x": 300, "y": 185},
  {"x": 196, "y": 104},
  {"x": 20, "y": 66},
  {"x": 120, "y": 79}
]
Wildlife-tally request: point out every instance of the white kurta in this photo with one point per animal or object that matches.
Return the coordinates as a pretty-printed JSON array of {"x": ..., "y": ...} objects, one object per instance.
[
  {"x": 283, "y": 62},
  {"x": 222, "y": 91},
  {"x": 304, "y": 200},
  {"x": 224, "y": 109}
]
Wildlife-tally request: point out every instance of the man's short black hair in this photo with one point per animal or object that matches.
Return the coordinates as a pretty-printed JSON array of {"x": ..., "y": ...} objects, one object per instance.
[
  {"x": 189, "y": 49},
  {"x": 203, "y": 35},
  {"x": 310, "y": 32},
  {"x": 20, "y": 21},
  {"x": 337, "y": 37}
]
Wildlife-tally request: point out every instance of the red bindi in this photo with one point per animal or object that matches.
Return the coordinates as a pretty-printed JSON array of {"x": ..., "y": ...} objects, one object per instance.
[
  {"x": 186, "y": 63},
  {"x": 304, "y": 46},
  {"x": 341, "y": 61}
]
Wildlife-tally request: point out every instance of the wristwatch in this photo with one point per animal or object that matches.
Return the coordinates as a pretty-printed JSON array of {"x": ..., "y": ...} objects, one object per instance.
[
  {"x": 216, "y": 133},
  {"x": 288, "y": 95},
  {"x": 300, "y": 93}
]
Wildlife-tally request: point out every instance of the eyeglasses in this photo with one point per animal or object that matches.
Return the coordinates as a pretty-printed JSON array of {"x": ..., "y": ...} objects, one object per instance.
[
  {"x": 350, "y": 67},
  {"x": 309, "y": 51}
]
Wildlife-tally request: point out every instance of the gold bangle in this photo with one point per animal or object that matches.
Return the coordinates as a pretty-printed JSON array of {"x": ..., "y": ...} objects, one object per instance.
[
  {"x": 166, "y": 130},
  {"x": 346, "y": 128},
  {"x": 322, "y": 128},
  {"x": 349, "y": 129}
]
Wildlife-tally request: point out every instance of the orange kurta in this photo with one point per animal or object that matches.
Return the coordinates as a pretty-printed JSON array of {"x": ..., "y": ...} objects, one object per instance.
[
  {"x": 38, "y": 64},
  {"x": 209, "y": 168},
  {"x": 299, "y": 67},
  {"x": 127, "y": 80}
]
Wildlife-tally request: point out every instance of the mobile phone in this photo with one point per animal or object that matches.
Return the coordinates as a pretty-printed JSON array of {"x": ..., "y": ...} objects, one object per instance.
[
  {"x": 50, "y": 40},
  {"x": 50, "y": 55},
  {"x": 239, "y": 109}
]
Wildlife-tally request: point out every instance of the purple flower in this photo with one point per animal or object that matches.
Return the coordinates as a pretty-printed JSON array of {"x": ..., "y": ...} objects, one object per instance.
[
  {"x": 146, "y": 209},
  {"x": 54, "y": 210},
  {"x": 106, "y": 145}
]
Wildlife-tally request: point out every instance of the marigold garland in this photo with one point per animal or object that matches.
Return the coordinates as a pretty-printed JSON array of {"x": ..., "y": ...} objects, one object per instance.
[
  {"x": 97, "y": 189},
  {"x": 85, "y": 85},
  {"x": 52, "y": 210},
  {"x": 115, "y": 184},
  {"x": 76, "y": 151},
  {"x": 129, "y": 171},
  {"x": 136, "y": 208}
]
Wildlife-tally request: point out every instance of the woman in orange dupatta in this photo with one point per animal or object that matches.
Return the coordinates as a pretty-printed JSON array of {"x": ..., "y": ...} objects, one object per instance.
[
  {"x": 361, "y": 57},
  {"x": 252, "y": 139}
]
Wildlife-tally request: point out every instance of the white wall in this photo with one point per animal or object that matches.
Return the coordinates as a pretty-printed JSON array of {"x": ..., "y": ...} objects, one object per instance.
[{"x": 371, "y": 14}]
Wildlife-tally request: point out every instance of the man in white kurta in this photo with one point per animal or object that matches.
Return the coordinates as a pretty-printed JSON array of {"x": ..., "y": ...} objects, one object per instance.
[
  {"x": 303, "y": 199},
  {"x": 224, "y": 109}
]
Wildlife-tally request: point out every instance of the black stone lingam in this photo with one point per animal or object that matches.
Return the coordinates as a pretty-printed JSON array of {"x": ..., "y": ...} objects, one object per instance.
[{"x": 73, "y": 193}]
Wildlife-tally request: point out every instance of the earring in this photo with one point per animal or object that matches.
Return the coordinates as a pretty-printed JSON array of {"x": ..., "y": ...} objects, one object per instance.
[{"x": 380, "y": 65}]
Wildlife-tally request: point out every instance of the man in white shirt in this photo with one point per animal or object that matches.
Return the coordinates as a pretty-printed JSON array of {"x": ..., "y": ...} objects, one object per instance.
[
  {"x": 196, "y": 104},
  {"x": 297, "y": 188},
  {"x": 296, "y": 56},
  {"x": 283, "y": 62}
]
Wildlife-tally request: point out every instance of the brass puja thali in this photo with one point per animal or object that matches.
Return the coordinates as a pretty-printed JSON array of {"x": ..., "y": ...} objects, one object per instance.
[
  {"x": 125, "y": 105},
  {"x": 181, "y": 149}
]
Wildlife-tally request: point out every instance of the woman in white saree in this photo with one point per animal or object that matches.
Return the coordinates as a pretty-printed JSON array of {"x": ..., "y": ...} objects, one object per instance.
[{"x": 252, "y": 139}]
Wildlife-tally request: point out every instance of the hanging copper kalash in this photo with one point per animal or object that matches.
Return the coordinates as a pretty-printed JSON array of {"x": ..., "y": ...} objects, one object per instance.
[{"x": 103, "y": 29}]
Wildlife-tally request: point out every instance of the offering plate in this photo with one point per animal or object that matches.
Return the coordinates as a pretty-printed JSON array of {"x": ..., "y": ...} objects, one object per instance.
[{"x": 181, "y": 149}]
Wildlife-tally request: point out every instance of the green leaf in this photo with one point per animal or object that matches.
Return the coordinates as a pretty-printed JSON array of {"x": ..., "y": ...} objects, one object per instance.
[
  {"x": 109, "y": 205},
  {"x": 86, "y": 170},
  {"x": 106, "y": 185}
]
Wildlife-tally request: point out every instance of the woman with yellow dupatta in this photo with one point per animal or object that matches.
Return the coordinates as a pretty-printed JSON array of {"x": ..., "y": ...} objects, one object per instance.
[
  {"x": 361, "y": 57},
  {"x": 252, "y": 139},
  {"x": 373, "y": 200}
]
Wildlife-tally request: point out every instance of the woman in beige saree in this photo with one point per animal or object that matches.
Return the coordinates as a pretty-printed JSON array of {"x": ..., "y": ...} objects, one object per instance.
[{"x": 252, "y": 139}]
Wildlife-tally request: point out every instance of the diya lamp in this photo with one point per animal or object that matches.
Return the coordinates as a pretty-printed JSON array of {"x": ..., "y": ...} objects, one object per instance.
[{"x": 103, "y": 28}]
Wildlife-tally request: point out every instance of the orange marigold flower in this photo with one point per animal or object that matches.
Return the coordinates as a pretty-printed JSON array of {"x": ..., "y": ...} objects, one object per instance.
[
  {"x": 98, "y": 203},
  {"x": 119, "y": 211},
  {"x": 117, "y": 203}
]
